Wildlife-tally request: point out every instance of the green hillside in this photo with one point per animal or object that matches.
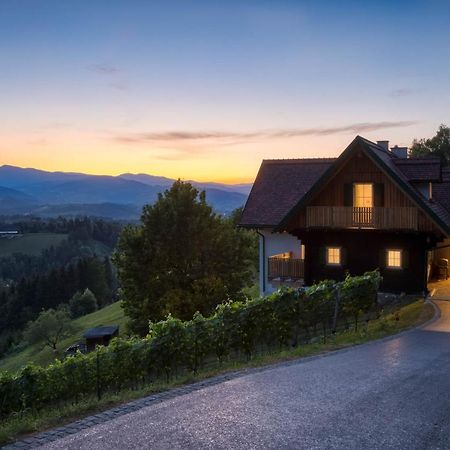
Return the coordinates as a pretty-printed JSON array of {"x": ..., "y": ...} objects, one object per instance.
[
  {"x": 30, "y": 244},
  {"x": 110, "y": 315}
]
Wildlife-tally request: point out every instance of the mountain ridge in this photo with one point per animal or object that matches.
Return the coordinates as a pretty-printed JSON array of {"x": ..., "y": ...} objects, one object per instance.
[{"x": 40, "y": 192}]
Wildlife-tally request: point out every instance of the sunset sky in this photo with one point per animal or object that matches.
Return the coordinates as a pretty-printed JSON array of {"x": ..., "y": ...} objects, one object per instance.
[{"x": 205, "y": 90}]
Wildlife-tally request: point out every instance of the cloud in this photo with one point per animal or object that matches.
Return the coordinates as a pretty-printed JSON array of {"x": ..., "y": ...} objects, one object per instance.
[
  {"x": 103, "y": 69},
  {"x": 233, "y": 138},
  {"x": 119, "y": 86},
  {"x": 403, "y": 92}
]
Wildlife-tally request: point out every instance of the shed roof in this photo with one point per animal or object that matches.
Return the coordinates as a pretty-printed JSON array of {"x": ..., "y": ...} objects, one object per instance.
[{"x": 99, "y": 332}]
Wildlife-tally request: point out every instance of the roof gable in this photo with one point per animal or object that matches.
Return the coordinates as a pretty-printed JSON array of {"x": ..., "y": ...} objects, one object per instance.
[{"x": 387, "y": 163}]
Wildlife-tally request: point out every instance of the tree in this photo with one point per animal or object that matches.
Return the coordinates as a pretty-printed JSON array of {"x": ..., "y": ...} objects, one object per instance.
[
  {"x": 82, "y": 303},
  {"x": 438, "y": 145},
  {"x": 50, "y": 327},
  {"x": 182, "y": 258}
]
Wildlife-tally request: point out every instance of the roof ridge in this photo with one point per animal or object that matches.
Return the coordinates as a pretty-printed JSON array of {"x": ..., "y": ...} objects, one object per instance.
[
  {"x": 417, "y": 160},
  {"x": 297, "y": 160}
]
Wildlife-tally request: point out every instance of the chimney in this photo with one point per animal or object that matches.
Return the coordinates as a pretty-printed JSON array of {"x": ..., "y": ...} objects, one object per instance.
[
  {"x": 383, "y": 144},
  {"x": 400, "y": 152}
]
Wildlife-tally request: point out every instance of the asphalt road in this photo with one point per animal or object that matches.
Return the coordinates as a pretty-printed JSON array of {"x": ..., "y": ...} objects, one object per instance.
[{"x": 387, "y": 394}]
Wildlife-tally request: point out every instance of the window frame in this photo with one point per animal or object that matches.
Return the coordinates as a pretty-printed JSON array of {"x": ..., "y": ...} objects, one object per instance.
[
  {"x": 400, "y": 258},
  {"x": 354, "y": 193},
  {"x": 327, "y": 260}
]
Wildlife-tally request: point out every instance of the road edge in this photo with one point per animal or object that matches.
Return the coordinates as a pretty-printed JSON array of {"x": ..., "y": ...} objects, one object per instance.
[{"x": 52, "y": 435}]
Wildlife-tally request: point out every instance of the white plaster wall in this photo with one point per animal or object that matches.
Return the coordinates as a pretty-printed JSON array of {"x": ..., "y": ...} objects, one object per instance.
[{"x": 275, "y": 243}]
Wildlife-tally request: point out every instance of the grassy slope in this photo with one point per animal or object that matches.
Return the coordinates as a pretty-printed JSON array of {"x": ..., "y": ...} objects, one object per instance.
[
  {"x": 110, "y": 315},
  {"x": 390, "y": 323},
  {"x": 30, "y": 244}
]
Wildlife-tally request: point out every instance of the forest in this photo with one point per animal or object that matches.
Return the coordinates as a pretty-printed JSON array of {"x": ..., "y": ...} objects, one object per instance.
[{"x": 31, "y": 283}]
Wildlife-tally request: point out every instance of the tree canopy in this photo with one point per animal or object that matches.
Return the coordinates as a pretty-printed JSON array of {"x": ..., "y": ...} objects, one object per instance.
[
  {"x": 182, "y": 258},
  {"x": 82, "y": 303},
  {"x": 49, "y": 328},
  {"x": 438, "y": 145}
]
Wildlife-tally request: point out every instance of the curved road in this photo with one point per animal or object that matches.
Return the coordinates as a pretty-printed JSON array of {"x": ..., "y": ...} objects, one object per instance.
[{"x": 388, "y": 394}]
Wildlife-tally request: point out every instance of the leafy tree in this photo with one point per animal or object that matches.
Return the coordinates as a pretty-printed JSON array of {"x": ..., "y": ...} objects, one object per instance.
[
  {"x": 82, "y": 303},
  {"x": 183, "y": 258},
  {"x": 438, "y": 145},
  {"x": 50, "y": 327}
]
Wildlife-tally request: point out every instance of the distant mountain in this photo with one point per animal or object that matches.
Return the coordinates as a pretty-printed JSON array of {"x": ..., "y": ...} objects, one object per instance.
[
  {"x": 151, "y": 180},
  {"x": 93, "y": 189},
  {"x": 16, "y": 177},
  {"x": 12, "y": 200},
  {"x": 32, "y": 191},
  {"x": 107, "y": 210},
  {"x": 243, "y": 188}
]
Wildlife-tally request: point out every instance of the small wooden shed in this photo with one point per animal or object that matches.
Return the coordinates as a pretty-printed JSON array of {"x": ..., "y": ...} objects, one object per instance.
[{"x": 100, "y": 336}]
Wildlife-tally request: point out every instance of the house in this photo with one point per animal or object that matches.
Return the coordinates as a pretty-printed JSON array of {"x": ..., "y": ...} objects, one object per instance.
[
  {"x": 372, "y": 207},
  {"x": 100, "y": 336}
]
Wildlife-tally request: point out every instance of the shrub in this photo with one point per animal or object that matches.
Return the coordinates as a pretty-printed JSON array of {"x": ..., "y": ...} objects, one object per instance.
[
  {"x": 359, "y": 294},
  {"x": 173, "y": 345}
]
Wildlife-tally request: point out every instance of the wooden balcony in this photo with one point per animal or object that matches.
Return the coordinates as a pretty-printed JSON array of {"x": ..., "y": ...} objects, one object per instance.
[
  {"x": 400, "y": 218},
  {"x": 286, "y": 268}
]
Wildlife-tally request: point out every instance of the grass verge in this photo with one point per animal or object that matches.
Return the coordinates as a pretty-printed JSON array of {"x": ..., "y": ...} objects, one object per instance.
[{"x": 397, "y": 320}]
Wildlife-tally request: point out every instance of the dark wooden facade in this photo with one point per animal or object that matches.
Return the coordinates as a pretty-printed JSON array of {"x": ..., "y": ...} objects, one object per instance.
[
  {"x": 395, "y": 222},
  {"x": 388, "y": 196},
  {"x": 362, "y": 251}
]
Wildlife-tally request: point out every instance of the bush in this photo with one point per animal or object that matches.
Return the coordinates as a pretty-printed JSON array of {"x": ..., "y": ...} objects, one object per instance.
[
  {"x": 172, "y": 346},
  {"x": 82, "y": 303},
  {"x": 359, "y": 294}
]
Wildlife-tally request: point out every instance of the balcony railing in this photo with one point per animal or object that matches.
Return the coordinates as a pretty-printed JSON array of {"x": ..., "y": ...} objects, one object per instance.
[
  {"x": 286, "y": 268},
  {"x": 401, "y": 218}
]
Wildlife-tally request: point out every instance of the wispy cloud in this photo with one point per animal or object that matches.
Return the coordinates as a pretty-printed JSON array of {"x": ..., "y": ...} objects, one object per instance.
[
  {"x": 119, "y": 86},
  {"x": 227, "y": 137},
  {"x": 403, "y": 92},
  {"x": 178, "y": 145},
  {"x": 103, "y": 69}
]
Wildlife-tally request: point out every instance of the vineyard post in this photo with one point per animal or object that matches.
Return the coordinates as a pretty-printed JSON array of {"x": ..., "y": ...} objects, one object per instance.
[
  {"x": 99, "y": 394},
  {"x": 337, "y": 295}
]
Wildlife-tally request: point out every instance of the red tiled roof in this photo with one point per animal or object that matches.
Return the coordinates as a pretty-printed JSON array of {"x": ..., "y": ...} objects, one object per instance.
[
  {"x": 419, "y": 169},
  {"x": 279, "y": 185}
]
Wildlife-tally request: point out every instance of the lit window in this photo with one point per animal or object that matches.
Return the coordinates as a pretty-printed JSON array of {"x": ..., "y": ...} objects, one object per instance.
[
  {"x": 394, "y": 259},
  {"x": 363, "y": 195},
  {"x": 333, "y": 255},
  {"x": 302, "y": 251}
]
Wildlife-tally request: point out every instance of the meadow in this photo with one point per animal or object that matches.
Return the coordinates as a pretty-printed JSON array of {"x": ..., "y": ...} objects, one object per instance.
[
  {"x": 30, "y": 243},
  {"x": 109, "y": 315}
]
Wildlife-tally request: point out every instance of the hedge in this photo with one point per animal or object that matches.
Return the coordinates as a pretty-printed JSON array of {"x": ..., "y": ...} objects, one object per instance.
[{"x": 236, "y": 329}]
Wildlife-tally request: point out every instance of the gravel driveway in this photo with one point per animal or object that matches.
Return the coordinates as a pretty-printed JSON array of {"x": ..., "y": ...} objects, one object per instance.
[{"x": 387, "y": 394}]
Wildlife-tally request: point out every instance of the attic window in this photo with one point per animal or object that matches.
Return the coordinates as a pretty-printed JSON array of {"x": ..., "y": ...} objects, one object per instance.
[
  {"x": 333, "y": 256},
  {"x": 363, "y": 195},
  {"x": 394, "y": 259}
]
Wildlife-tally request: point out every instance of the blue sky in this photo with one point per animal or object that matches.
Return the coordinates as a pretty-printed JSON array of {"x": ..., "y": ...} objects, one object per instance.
[{"x": 207, "y": 89}]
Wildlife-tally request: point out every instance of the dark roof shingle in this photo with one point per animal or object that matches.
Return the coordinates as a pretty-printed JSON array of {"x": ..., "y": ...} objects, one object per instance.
[
  {"x": 279, "y": 185},
  {"x": 99, "y": 332},
  {"x": 419, "y": 169}
]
